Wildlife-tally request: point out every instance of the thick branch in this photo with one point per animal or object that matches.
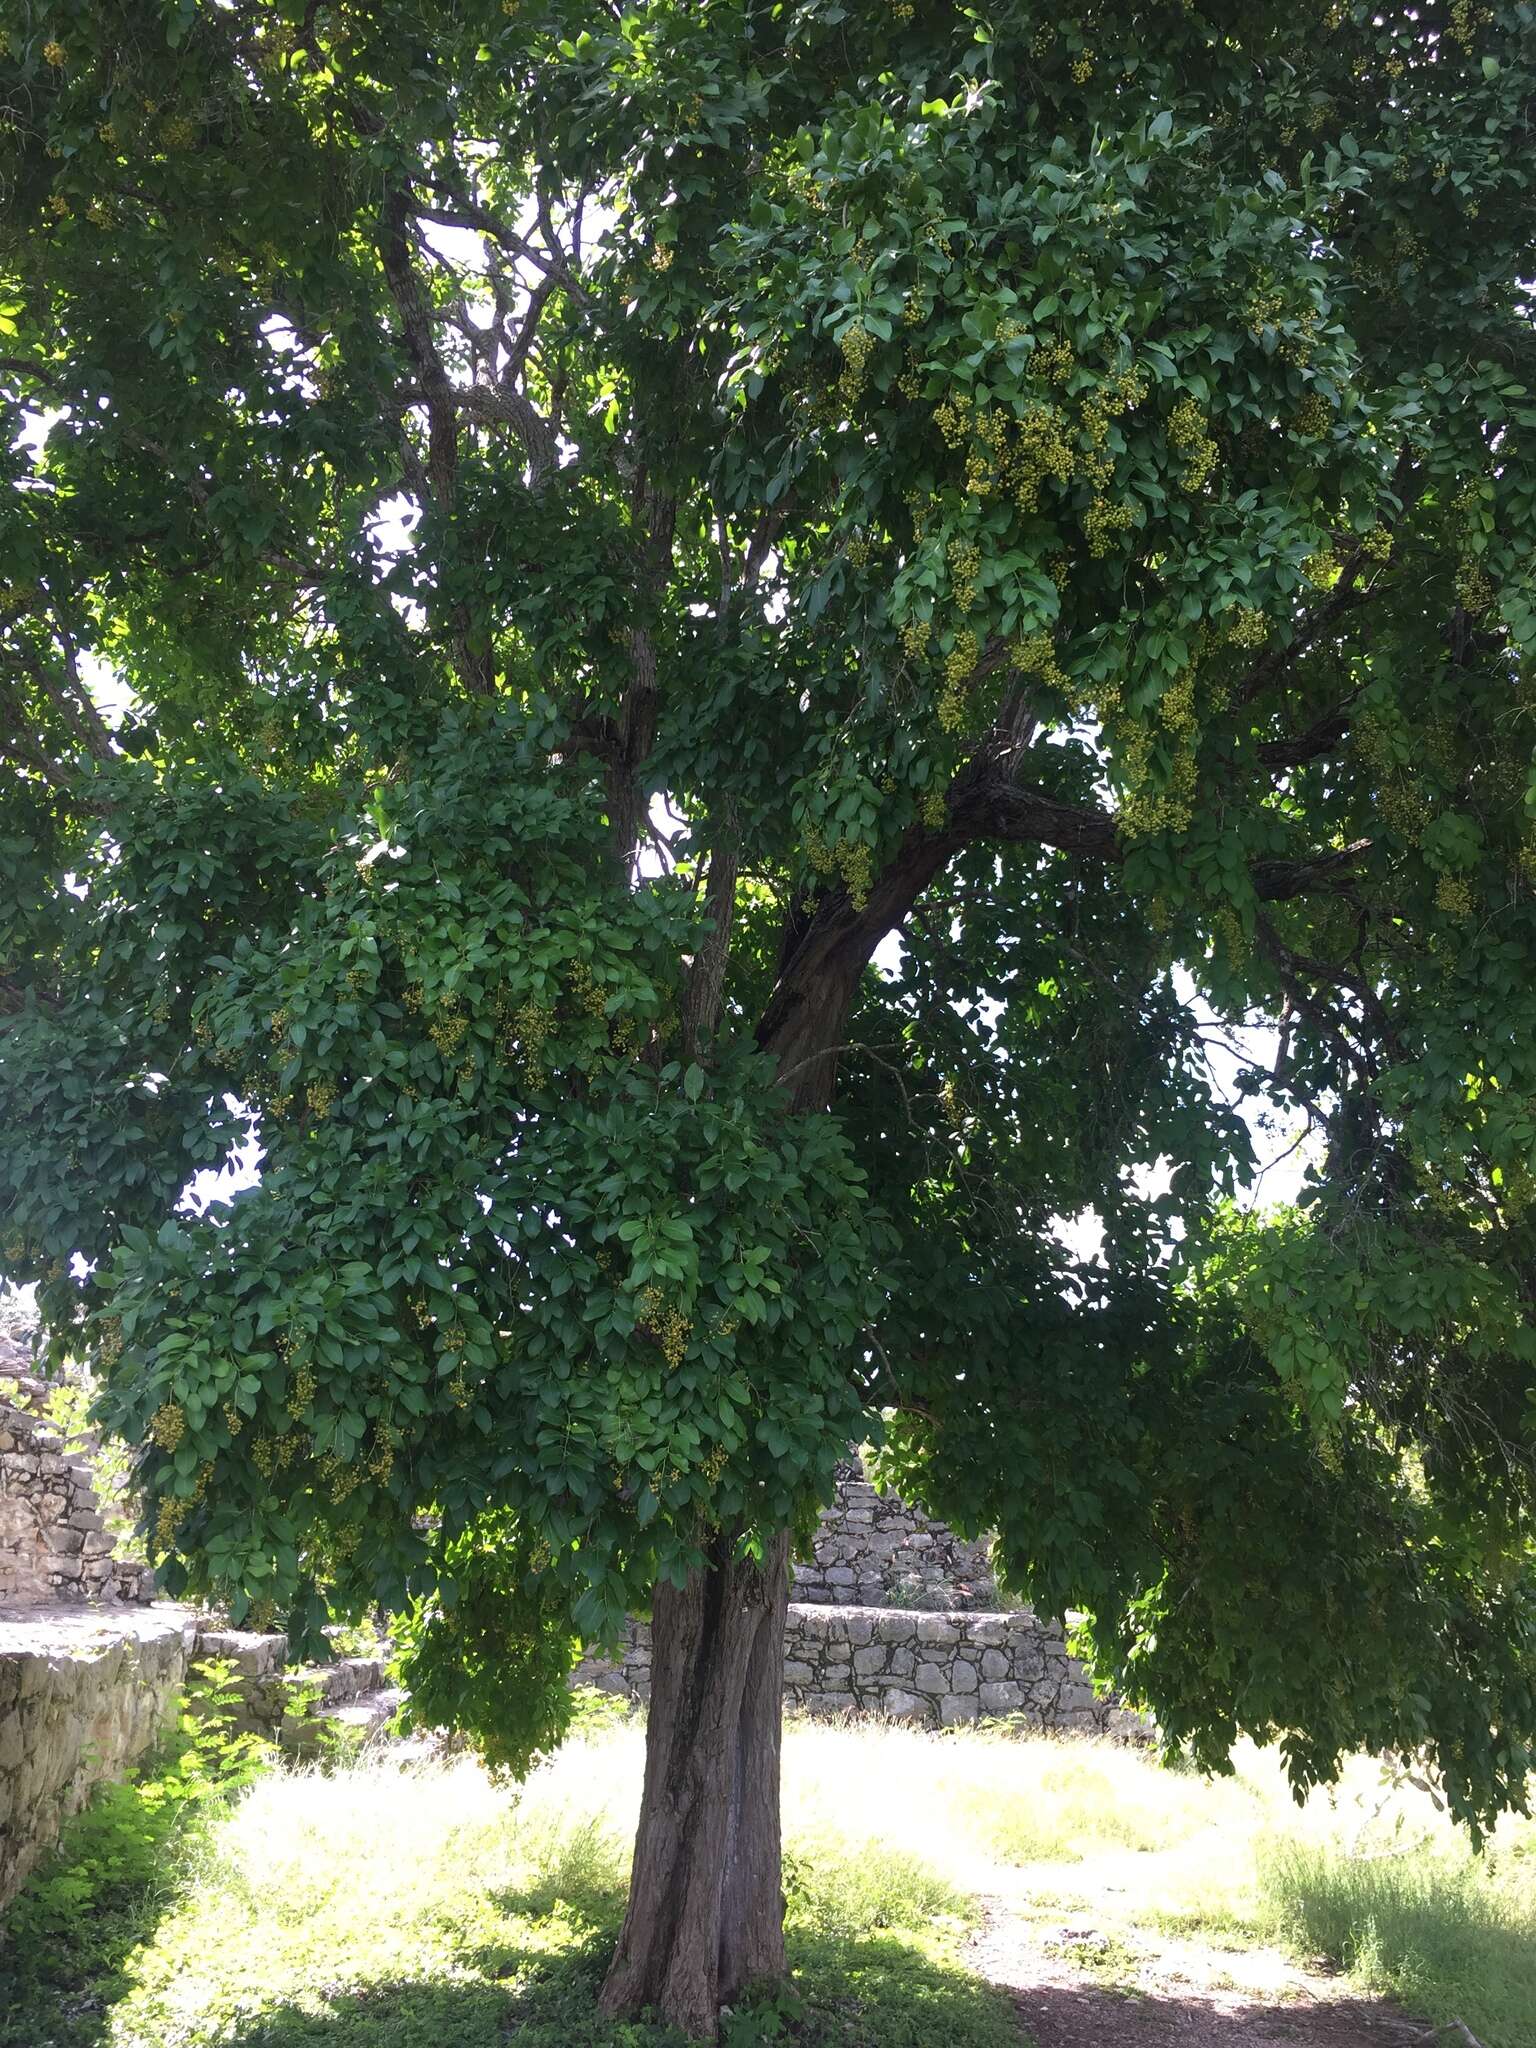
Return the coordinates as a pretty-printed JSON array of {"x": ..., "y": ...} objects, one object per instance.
[
  {"x": 416, "y": 323},
  {"x": 706, "y": 978}
]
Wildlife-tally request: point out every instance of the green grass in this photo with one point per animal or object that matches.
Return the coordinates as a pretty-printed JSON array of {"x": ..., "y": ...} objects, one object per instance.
[
  {"x": 419, "y": 1906},
  {"x": 1445, "y": 1932},
  {"x": 389, "y": 1904}
]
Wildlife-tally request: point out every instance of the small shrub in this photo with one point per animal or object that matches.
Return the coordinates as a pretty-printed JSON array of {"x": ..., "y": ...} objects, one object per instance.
[
  {"x": 836, "y": 1888},
  {"x": 593, "y": 1710}
]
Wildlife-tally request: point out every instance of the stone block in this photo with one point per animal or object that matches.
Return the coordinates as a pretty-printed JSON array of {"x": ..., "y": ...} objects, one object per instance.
[
  {"x": 938, "y": 1629},
  {"x": 797, "y": 1674},
  {"x": 252, "y": 1655},
  {"x": 994, "y": 1664},
  {"x": 828, "y": 1703},
  {"x": 931, "y": 1678},
  {"x": 897, "y": 1705},
  {"x": 962, "y": 1676},
  {"x": 955, "y": 1708},
  {"x": 987, "y": 1630},
  {"x": 870, "y": 1660},
  {"x": 1005, "y": 1698}
]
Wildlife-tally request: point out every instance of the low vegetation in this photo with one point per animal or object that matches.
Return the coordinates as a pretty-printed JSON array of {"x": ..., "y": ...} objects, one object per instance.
[{"x": 408, "y": 1903}]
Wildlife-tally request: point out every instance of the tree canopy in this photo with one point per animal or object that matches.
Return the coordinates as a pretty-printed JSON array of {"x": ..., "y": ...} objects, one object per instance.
[{"x": 598, "y": 515}]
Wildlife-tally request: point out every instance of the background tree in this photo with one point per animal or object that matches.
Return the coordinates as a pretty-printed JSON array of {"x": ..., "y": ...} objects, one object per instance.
[{"x": 1055, "y": 488}]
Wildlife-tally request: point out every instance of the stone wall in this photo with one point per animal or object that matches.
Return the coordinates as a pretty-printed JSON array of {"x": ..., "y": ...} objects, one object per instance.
[
  {"x": 873, "y": 1550},
  {"x": 53, "y": 1541},
  {"x": 933, "y": 1669},
  {"x": 897, "y": 1615},
  {"x": 83, "y": 1693}
]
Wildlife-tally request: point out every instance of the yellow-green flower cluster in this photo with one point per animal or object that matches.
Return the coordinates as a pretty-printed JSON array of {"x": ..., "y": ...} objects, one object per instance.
[
  {"x": 534, "y": 1023},
  {"x": 964, "y": 559},
  {"x": 667, "y": 1324},
  {"x": 1053, "y": 360},
  {"x": 1321, "y": 568},
  {"x": 1312, "y": 417},
  {"x": 1146, "y": 809},
  {"x": 1113, "y": 396},
  {"x": 447, "y": 1028},
  {"x": 1035, "y": 655},
  {"x": 959, "y": 665},
  {"x": 1187, "y": 433},
  {"x": 1247, "y": 628},
  {"x": 1453, "y": 896},
  {"x": 168, "y": 1426},
  {"x": 1044, "y": 449},
  {"x": 857, "y": 345},
  {"x": 915, "y": 635},
  {"x": 1474, "y": 592},
  {"x": 586, "y": 991},
  {"x": 952, "y": 417}
]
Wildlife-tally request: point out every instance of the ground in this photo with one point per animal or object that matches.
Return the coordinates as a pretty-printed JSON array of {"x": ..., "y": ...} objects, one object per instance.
[
  {"x": 1080, "y": 1981},
  {"x": 968, "y": 1890}
]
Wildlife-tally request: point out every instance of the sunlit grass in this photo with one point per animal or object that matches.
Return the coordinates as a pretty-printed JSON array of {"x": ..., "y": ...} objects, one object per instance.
[{"x": 399, "y": 1904}]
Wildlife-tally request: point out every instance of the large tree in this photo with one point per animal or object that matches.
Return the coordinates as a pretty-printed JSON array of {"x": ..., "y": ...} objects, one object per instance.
[{"x": 537, "y": 536}]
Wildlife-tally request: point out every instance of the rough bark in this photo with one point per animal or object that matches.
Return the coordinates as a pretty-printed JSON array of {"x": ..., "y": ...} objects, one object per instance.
[{"x": 706, "y": 1910}]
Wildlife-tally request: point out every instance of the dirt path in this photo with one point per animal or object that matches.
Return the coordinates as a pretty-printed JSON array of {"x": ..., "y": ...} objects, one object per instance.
[{"x": 1080, "y": 1981}]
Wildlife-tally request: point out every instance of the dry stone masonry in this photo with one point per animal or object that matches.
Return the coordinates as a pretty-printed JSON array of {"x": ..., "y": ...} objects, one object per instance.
[
  {"x": 873, "y": 1550},
  {"x": 84, "y": 1692},
  {"x": 896, "y": 1615},
  {"x": 54, "y": 1544}
]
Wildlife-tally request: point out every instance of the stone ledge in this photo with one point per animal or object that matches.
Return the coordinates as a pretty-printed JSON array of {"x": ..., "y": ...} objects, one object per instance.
[{"x": 84, "y": 1692}]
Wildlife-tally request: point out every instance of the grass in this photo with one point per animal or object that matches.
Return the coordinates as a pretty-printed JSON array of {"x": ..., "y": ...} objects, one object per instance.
[
  {"x": 416, "y": 1905},
  {"x": 1441, "y": 1930},
  {"x": 419, "y": 1906}
]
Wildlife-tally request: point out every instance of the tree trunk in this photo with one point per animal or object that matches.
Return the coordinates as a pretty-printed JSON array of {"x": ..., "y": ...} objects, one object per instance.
[{"x": 706, "y": 1908}]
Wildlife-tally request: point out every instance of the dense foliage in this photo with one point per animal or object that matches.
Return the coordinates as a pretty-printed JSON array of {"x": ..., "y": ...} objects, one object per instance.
[{"x": 1057, "y": 487}]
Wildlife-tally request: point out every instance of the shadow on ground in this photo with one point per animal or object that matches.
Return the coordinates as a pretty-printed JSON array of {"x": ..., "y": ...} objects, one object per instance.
[
  {"x": 1089, "y": 2016},
  {"x": 875, "y": 1991}
]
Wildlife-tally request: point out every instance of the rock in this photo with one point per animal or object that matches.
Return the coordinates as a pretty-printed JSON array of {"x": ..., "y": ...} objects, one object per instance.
[
  {"x": 1005, "y": 1698},
  {"x": 897, "y": 1705}
]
